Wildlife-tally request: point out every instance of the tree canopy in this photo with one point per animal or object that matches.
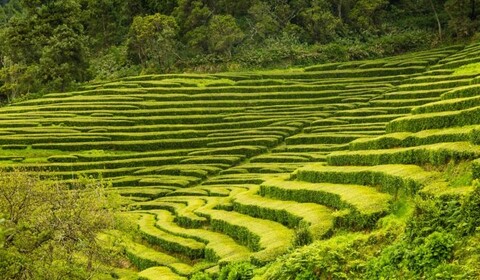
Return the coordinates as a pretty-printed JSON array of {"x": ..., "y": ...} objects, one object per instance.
[{"x": 52, "y": 45}]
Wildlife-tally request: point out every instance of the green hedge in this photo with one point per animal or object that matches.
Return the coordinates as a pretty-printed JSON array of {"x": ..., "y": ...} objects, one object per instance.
[
  {"x": 402, "y": 102},
  {"x": 311, "y": 148},
  {"x": 476, "y": 169},
  {"x": 124, "y": 163},
  {"x": 28, "y": 139},
  {"x": 447, "y": 119},
  {"x": 171, "y": 243},
  {"x": 408, "y": 139},
  {"x": 435, "y": 85},
  {"x": 433, "y": 93},
  {"x": 146, "y": 145},
  {"x": 448, "y": 105},
  {"x": 370, "y": 119},
  {"x": 393, "y": 179},
  {"x": 364, "y": 204},
  {"x": 219, "y": 248},
  {"x": 265, "y": 142},
  {"x": 462, "y": 92},
  {"x": 439, "y": 78},
  {"x": 321, "y": 138},
  {"x": 457, "y": 63},
  {"x": 269, "y": 238},
  {"x": 159, "y": 273},
  {"x": 144, "y": 257},
  {"x": 289, "y": 213},
  {"x": 279, "y": 158},
  {"x": 436, "y": 154}
]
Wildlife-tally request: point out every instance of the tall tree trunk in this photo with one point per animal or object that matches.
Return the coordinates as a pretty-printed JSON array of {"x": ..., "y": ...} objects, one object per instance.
[
  {"x": 339, "y": 7},
  {"x": 439, "y": 24},
  {"x": 473, "y": 15}
]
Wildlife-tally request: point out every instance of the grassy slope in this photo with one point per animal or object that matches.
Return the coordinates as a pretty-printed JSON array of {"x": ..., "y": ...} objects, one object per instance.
[{"x": 240, "y": 157}]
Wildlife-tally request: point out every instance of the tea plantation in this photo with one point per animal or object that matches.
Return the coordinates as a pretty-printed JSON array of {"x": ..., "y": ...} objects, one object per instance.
[{"x": 242, "y": 167}]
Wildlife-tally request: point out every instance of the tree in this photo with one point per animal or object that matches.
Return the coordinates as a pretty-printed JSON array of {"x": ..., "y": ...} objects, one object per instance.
[
  {"x": 366, "y": 14},
  {"x": 192, "y": 17},
  {"x": 463, "y": 16},
  {"x": 49, "y": 230},
  {"x": 319, "y": 22},
  {"x": 437, "y": 19},
  {"x": 224, "y": 34},
  {"x": 63, "y": 60},
  {"x": 263, "y": 21},
  {"x": 152, "y": 41},
  {"x": 48, "y": 40}
]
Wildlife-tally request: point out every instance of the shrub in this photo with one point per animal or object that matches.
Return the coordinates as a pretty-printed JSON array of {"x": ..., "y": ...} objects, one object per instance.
[{"x": 237, "y": 271}]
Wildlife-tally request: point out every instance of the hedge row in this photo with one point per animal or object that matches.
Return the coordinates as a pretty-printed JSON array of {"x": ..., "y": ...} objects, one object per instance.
[
  {"x": 194, "y": 170},
  {"x": 353, "y": 129},
  {"x": 166, "y": 180},
  {"x": 186, "y": 216},
  {"x": 322, "y": 138},
  {"x": 448, "y": 105},
  {"x": 313, "y": 72},
  {"x": 171, "y": 243},
  {"x": 393, "y": 179},
  {"x": 370, "y": 119},
  {"x": 366, "y": 205},
  {"x": 438, "y": 78},
  {"x": 91, "y": 173},
  {"x": 234, "y": 179},
  {"x": 151, "y": 193},
  {"x": 402, "y": 102},
  {"x": 434, "y": 93},
  {"x": 257, "y": 234},
  {"x": 447, "y": 119},
  {"x": 96, "y": 97},
  {"x": 159, "y": 273},
  {"x": 436, "y": 154},
  {"x": 462, "y": 92},
  {"x": 260, "y": 141},
  {"x": 435, "y": 85},
  {"x": 37, "y": 139},
  {"x": 197, "y": 127},
  {"x": 457, "y": 63},
  {"x": 144, "y": 257},
  {"x": 146, "y": 145},
  {"x": 310, "y": 148},
  {"x": 220, "y": 248},
  {"x": 476, "y": 169},
  {"x": 289, "y": 213},
  {"x": 262, "y": 168},
  {"x": 248, "y": 151},
  {"x": 123, "y": 163},
  {"x": 408, "y": 139},
  {"x": 280, "y": 158}
]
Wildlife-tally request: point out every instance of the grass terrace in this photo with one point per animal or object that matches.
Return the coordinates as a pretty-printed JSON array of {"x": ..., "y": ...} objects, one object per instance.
[{"x": 216, "y": 169}]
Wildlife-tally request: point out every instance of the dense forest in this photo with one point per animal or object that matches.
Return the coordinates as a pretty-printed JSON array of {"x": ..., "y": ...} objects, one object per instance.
[{"x": 52, "y": 44}]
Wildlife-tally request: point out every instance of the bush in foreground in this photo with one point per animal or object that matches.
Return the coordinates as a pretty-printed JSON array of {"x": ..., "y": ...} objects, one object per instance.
[{"x": 49, "y": 230}]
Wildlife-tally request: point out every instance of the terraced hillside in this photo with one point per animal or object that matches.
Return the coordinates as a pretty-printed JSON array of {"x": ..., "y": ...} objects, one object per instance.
[{"x": 227, "y": 167}]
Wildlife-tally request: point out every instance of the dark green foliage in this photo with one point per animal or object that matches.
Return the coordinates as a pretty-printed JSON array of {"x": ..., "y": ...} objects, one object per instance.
[
  {"x": 302, "y": 236},
  {"x": 152, "y": 41},
  {"x": 237, "y": 271},
  {"x": 50, "y": 44},
  {"x": 201, "y": 276},
  {"x": 438, "y": 228},
  {"x": 45, "y": 43}
]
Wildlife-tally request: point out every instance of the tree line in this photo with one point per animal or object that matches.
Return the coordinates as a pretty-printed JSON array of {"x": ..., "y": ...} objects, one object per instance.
[{"x": 54, "y": 44}]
